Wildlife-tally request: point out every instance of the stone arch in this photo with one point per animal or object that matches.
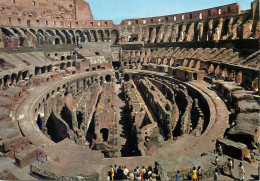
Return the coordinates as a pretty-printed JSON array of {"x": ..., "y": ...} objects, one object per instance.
[
  {"x": 67, "y": 35},
  {"x": 192, "y": 64},
  {"x": 255, "y": 83},
  {"x": 18, "y": 77},
  {"x": 87, "y": 35},
  {"x": 107, "y": 35},
  {"x": 196, "y": 32},
  {"x": 197, "y": 65},
  {"x": 100, "y": 36},
  {"x": 159, "y": 60},
  {"x": 108, "y": 78},
  {"x": 61, "y": 35},
  {"x": 40, "y": 34},
  {"x": 37, "y": 71},
  {"x": 68, "y": 64},
  {"x": 79, "y": 36},
  {"x": 165, "y": 61},
  {"x": 239, "y": 77},
  {"x": 7, "y": 32},
  {"x": 57, "y": 41},
  {"x": 126, "y": 77},
  {"x": 152, "y": 35},
  {"x": 115, "y": 36},
  {"x": 71, "y": 32},
  {"x": 93, "y": 36},
  {"x": 13, "y": 77},
  {"x": 211, "y": 69},
  {"x": 6, "y": 80},
  {"x": 205, "y": 31},
  {"x": 185, "y": 62},
  {"x": 180, "y": 31},
  {"x": 50, "y": 32},
  {"x": 171, "y": 62},
  {"x": 225, "y": 27}
]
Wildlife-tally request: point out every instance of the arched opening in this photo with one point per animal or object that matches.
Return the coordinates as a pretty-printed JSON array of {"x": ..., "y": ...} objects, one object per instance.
[
  {"x": 62, "y": 58},
  {"x": 205, "y": 31},
  {"x": 68, "y": 36},
  {"x": 225, "y": 27},
  {"x": 68, "y": 57},
  {"x": 101, "y": 81},
  {"x": 115, "y": 36},
  {"x": 88, "y": 36},
  {"x": 72, "y": 35},
  {"x": 56, "y": 129},
  {"x": 80, "y": 36},
  {"x": 43, "y": 70},
  {"x": 93, "y": 36},
  {"x": 107, "y": 35},
  {"x": 126, "y": 77},
  {"x": 79, "y": 118},
  {"x": 104, "y": 133},
  {"x": 39, "y": 122},
  {"x": 66, "y": 115},
  {"x": 108, "y": 78},
  {"x": 100, "y": 36},
  {"x": 61, "y": 35},
  {"x": 37, "y": 70},
  {"x": 57, "y": 41}
]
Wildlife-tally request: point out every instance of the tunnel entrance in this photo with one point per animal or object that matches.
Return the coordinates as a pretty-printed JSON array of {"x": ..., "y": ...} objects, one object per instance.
[
  {"x": 56, "y": 129},
  {"x": 79, "y": 118},
  {"x": 104, "y": 133},
  {"x": 66, "y": 115}
]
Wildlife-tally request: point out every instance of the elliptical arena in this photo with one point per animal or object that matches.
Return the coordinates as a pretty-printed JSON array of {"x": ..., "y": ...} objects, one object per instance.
[{"x": 78, "y": 95}]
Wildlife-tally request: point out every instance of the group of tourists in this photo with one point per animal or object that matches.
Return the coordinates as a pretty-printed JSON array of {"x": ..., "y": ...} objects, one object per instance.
[{"x": 122, "y": 173}]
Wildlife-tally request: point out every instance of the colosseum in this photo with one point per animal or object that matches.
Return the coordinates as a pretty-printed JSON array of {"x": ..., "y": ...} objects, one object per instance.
[{"x": 173, "y": 92}]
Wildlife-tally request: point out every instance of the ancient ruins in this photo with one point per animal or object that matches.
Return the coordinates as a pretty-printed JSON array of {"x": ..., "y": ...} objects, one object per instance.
[{"x": 78, "y": 95}]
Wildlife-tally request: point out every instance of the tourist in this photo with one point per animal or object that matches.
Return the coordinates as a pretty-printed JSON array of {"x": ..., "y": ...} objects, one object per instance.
[
  {"x": 216, "y": 160},
  {"x": 146, "y": 175},
  {"x": 115, "y": 169},
  {"x": 230, "y": 166},
  {"x": 137, "y": 169},
  {"x": 150, "y": 171},
  {"x": 178, "y": 175},
  {"x": 138, "y": 177},
  {"x": 156, "y": 171},
  {"x": 131, "y": 176},
  {"x": 126, "y": 171},
  {"x": 216, "y": 174},
  {"x": 143, "y": 170},
  {"x": 120, "y": 174},
  {"x": 220, "y": 150},
  {"x": 241, "y": 171},
  {"x": 199, "y": 173},
  {"x": 252, "y": 156},
  {"x": 112, "y": 172},
  {"x": 135, "y": 173},
  {"x": 194, "y": 174},
  {"x": 153, "y": 177}
]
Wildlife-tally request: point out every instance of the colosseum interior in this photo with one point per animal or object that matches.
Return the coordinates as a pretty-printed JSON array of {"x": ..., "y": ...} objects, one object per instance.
[{"x": 78, "y": 95}]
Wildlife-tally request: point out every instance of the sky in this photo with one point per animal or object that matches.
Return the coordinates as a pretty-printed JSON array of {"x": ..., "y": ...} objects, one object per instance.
[{"x": 118, "y": 10}]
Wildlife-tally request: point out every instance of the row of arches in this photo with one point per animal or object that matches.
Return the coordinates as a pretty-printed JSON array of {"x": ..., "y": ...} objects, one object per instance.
[
  {"x": 51, "y": 117},
  {"x": 204, "y": 30},
  {"x": 21, "y": 36},
  {"x": 13, "y": 79}
]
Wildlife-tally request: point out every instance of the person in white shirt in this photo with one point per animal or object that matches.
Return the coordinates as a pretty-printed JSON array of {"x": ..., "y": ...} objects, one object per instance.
[
  {"x": 126, "y": 171},
  {"x": 241, "y": 171}
]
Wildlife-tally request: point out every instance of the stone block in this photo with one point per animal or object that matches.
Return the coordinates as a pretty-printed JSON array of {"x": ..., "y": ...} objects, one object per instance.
[
  {"x": 233, "y": 149},
  {"x": 27, "y": 156}
]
